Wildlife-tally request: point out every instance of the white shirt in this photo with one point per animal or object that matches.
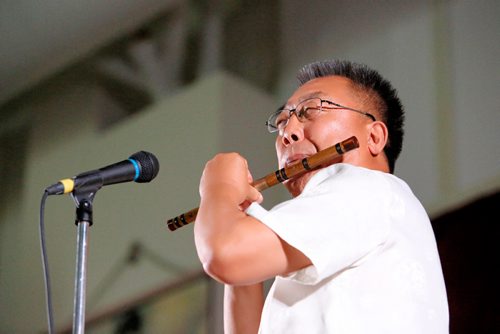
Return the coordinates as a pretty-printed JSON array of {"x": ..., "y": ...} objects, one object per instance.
[{"x": 375, "y": 265}]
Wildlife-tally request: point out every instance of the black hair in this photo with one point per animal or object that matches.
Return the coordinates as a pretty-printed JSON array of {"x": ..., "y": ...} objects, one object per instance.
[{"x": 382, "y": 95}]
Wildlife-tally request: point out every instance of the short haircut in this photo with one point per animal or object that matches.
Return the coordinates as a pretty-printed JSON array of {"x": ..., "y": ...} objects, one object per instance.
[{"x": 380, "y": 92}]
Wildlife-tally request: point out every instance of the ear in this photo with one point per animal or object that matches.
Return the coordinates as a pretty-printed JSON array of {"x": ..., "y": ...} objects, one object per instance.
[{"x": 378, "y": 136}]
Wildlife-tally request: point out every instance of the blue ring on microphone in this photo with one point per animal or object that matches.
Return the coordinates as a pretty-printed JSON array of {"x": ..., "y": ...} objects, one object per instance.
[{"x": 136, "y": 167}]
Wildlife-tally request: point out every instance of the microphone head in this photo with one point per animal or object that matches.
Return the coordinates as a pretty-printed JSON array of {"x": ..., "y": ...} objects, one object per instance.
[{"x": 149, "y": 166}]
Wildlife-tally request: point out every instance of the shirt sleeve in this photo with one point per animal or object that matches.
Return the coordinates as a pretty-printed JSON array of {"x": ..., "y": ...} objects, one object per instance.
[{"x": 334, "y": 223}]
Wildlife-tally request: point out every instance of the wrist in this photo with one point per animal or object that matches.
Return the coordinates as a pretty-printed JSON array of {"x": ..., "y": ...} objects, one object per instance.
[{"x": 221, "y": 193}]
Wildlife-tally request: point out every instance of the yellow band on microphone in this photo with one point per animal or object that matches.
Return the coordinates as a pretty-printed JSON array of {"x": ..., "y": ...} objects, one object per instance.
[{"x": 68, "y": 184}]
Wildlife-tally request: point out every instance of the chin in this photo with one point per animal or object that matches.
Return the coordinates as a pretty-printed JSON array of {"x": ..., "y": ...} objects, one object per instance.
[{"x": 296, "y": 186}]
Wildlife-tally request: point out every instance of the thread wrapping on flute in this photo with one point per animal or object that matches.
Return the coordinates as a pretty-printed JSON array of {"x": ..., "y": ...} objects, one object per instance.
[
  {"x": 305, "y": 163},
  {"x": 338, "y": 147}
]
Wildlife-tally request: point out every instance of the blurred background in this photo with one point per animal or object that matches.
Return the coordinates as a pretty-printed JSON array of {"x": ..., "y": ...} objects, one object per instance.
[{"x": 84, "y": 84}]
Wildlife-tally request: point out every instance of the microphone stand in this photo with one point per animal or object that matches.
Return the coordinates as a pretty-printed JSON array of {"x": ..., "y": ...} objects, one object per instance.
[{"x": 83, "y": 199}]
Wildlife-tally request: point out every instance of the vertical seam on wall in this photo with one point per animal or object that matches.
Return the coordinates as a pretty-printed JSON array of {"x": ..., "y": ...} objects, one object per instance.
[{"x": 443, "y": 77}]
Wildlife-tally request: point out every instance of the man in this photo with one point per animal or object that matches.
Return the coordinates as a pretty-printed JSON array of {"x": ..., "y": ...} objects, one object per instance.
[{"x": 353, "y": 251}]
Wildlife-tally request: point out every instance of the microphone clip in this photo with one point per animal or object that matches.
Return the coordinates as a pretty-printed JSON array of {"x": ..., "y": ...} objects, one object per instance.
[
  {"x": 83, "y": 197},
  {"x": 84, "y": 212}
]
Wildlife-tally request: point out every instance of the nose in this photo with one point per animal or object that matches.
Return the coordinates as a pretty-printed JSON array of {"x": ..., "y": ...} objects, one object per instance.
[{"x": 293, "y": 131}]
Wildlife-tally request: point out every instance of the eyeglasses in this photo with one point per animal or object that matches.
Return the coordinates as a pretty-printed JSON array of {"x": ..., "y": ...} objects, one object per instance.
[{"x": 305, "y": 110}]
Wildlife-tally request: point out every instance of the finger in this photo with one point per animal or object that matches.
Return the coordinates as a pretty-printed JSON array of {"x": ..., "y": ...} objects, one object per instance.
[
  {"x": 249, "y": 176},
  {"x": 254, "y": 195}
]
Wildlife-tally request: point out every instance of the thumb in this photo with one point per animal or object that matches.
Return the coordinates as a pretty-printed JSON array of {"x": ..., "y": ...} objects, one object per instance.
[{"x": 254, "y": 195}]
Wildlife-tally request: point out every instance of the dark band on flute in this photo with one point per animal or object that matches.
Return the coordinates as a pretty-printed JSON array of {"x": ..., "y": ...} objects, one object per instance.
[
  {"x": 183, "y": 219},
  {"x": 338, "y": 147},
  {"x": 306, "y": 164},
  {"x": 283, "y": 174},
  {"x": 179, "y": 221}
]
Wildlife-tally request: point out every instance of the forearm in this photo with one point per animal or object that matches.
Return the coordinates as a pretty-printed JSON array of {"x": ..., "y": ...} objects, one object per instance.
[
  {"x": 217, "y": 214},
  {"x": 242, "y": 308},
  {"x": 224, "y": 187},
  {"x": 225, "y": 236},
  {"x": 215, "y": 223},
  {"x": 226, "y": 241}
]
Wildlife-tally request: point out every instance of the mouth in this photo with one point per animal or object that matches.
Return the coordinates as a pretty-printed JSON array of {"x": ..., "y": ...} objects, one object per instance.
[{"x": 295, "y": 158}]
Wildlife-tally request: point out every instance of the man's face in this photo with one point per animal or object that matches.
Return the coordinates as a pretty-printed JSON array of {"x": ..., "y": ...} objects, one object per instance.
[{"x": 300, "y": 140}]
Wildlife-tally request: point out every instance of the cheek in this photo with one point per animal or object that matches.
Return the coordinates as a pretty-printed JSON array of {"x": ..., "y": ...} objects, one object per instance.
[
  {"x": 279, "y": 149},
  {"x": 327, "y": 134}
]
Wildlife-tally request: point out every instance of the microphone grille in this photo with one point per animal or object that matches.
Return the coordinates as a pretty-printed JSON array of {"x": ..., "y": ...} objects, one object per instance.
[{"x": 149, "y": 166}]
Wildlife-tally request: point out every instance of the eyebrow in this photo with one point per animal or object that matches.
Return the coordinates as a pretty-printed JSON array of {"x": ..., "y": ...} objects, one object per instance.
[
  {"x": 311, "y": 95},
  {"x": 317, "y": 93}
]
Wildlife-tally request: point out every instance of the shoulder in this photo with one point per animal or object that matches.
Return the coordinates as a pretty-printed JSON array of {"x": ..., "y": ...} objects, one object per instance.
[{"x": 348, "y": 177}]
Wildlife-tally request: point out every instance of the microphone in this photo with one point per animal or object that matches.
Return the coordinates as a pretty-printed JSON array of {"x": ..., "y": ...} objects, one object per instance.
[{"x": 140, "y": 167}]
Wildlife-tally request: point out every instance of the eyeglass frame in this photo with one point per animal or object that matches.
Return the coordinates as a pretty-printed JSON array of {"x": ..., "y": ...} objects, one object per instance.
[{"x": 272, "y": 128}]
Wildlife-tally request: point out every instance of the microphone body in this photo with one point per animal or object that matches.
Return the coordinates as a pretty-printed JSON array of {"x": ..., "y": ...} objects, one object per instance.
[{"x": 140, "y": 167}]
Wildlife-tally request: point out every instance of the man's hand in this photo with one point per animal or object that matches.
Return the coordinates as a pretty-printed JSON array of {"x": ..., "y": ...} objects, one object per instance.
[{"x": 227, "y": 176}]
